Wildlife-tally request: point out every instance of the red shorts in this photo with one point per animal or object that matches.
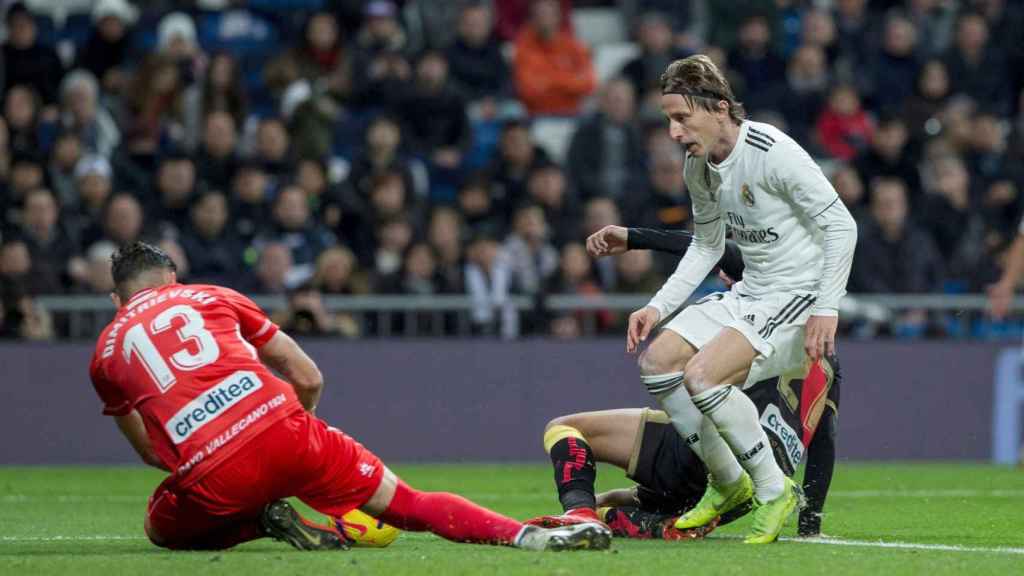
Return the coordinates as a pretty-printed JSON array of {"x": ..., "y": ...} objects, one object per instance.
[{"x": 299, "y": 456}]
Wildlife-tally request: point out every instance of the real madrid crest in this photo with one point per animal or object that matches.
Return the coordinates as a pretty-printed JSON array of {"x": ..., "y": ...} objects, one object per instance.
[{"x": 747, "y": 195}]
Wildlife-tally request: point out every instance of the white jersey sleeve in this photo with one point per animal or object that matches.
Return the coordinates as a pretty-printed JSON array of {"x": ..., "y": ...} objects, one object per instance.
[
  {"x": 796, "y": 176},
  {"x": 705, "y": 250}
]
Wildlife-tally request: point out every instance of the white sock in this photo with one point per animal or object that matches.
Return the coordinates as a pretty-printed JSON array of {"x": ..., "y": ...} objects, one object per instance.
[
  {"x": 697, "y": 431},
  {"x": 735, "y": 416}
]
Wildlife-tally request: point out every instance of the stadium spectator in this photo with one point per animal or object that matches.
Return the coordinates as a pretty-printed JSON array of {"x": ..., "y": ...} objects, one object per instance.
[
  {"x": 850, "y": 187},
  {"x": 888, "y": 155},
  {"x": 477, "y": 65},
  {"x": 107, "y": 51},
  {"x": 657, "y": 51},
  {"x": 844, "y": 129},
  {"x": 217, "y": 159},
  {"x": 27, "y": 62},
  {"x": 893, "y": 254},
  {"x": 98, "y": 279},
  {"x": 221, "y": 90},
  {"x": 211, "y": 248},
  {"x": 154, "y": 104},
  {"x": 92, "y": 187},
  {"x": 324, "y": 53},
  {"x": 855, "y": 27},
  {"x": 802, "y": 95},
  {"x": 979, "y": 67},
  {"x": 431, "y": 25},
  {"x": 892, "y": 73},
  {"x": 818, "y": 28},
  {"x": 605, "y": 155},
  {"x": 417, "y": 276},
  {"x": 665, "y": 202},
  {"x": 755, "y": 60},
  {"x": 292, "y": 225},
  {"x": 50, "y": 247},
  {"x": 174, "y": 188},
  {"x": 311, "y": 176},
  {"x": 273, "y": 147},
  {"x": 549, "y": 189},
  {"x": 487, "y": 284},
  {"x": 553, "y": 71},
  {"x": 635, "y": 273},
  {"x": 21, "y": 112},
  {"x": 82, "y": 113},
  {"x": 987, "y": 157},
  {"x": 531, "y": 258},
  {"x": 381, "y": 70},
  {"x": 122, "y": 220},
  {"x": 337, "y": 273},
  {"x": 306, "y": 314},
  {"x": 478, "y": 208},
  {"x": 575, "y": 277},
  {"x": 60, "y": 171},
  {"x": 517, "y": 157},
  {"x": 920, "y": 110},
  {"x": 178, "y": 42},
  {"x": 958, "y": 228},
  {"x": 21, "y": 317},
  {"x": 934, "y": 21},
  {"x": 434, "y": 117},
  {"x": 512, "y": 16},
  {"x": 273, "y": 273},
  {"x": 250, "y": 201},
  {"x": 394, "y": 236},
  {"x": 445, "y": 235},
  {"x": 382, "y": 152},
  {"x": 598, "y": 213}
]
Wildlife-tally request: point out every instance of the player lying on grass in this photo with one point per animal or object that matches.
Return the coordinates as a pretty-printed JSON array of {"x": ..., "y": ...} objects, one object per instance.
[
  {"x": 186, "y": 372},
  {"x": 798, "y": 412},
  {"x": 797, "y": 241}
]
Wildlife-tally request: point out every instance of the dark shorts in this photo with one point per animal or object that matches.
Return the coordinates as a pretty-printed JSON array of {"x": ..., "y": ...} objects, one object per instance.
[{"x": 670, "y": 478}]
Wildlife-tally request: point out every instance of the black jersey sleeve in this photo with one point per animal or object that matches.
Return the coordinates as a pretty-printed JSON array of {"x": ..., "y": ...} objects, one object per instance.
[{"x": 677, "y": 242}]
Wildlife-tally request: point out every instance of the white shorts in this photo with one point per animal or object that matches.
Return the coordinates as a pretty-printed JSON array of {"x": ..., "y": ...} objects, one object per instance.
[{"x": 773, "y": 324}]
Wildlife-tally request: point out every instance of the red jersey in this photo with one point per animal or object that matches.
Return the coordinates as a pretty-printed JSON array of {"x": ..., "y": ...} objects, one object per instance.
[{"x": 185, "y": 357}]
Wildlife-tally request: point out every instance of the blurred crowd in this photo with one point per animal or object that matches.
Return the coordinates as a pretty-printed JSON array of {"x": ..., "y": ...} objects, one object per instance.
[{"x": 335, "y": 147}]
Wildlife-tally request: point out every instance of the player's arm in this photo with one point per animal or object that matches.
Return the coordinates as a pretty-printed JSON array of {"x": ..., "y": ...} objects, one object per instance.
[
  {"x": 796, "y": 176},
  {"x": 1000, "y": 294},
  {"x": 704, "y": 251},
  {"x": 284, "y": 355},
  {"x": 277, "y": 350},
  {"x": 134, "y": 429},
  {"x": 678, "y": 242}
]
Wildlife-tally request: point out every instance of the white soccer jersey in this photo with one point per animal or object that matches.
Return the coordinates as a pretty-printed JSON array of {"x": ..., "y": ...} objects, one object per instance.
[{"x": 785, "y": 216}]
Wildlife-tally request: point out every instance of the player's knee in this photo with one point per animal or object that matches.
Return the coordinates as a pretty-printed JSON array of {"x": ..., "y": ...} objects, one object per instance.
[
  {"x": 155, "y": 536},
  {"x": 569, "y": 420},
  {"x": 698, "y": 375}
]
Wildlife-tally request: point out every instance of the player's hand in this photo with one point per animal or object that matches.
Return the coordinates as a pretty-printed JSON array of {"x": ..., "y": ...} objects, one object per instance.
[
  {"x": 607, "y": 241},
  {"x": 726, "y": 279},
  {"x": 1000, "y": 295},
  {"x": 820, "y": 336},
  {"x": 640, "y": 324}
]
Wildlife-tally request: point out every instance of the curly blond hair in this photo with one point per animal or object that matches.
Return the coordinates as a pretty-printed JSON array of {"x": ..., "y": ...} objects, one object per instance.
[{"x": 697, "y": 79}]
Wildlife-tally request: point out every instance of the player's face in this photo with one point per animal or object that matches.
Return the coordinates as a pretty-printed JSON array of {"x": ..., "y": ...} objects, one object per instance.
[{"x": 694, "y": 128}]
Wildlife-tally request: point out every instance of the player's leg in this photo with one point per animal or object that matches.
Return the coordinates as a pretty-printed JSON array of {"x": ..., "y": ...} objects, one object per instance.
[
  {"x": 662, "y": 367},
  {"x": 575, "y": 443},
  {"x": 339, "y": 475}
]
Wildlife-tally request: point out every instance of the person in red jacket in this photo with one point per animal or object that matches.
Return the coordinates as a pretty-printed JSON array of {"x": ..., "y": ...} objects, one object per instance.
[
  {"x": 553, "y": 70},
  {"x": 844, "y": 129}
]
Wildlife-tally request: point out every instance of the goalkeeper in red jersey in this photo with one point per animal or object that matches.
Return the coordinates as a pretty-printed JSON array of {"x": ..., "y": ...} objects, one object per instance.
[{"x": 186, "y": 372}]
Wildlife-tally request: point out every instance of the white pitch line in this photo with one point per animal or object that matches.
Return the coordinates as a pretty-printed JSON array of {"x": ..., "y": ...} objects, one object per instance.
[
  {"x": 905, "y": 545},
  {"x": 67, "y": 538}
]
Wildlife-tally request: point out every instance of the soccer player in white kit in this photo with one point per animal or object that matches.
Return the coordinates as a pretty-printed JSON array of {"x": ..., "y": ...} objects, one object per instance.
[{"x": 797, "y": 240}]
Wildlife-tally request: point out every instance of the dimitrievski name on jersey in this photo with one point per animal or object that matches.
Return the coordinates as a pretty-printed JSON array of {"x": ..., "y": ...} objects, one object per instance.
[{"x": 785, "y": 216}]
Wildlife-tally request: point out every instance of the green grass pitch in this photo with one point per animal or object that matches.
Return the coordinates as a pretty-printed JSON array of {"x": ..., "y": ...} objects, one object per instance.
[{"x": 883, "y": 519}]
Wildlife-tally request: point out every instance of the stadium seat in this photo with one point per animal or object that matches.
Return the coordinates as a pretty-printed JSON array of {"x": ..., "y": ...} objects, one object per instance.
[
  {"x": 597, "y": 26},
  {"x": 610, "y": 58},
  {"x": 553, "y": 134}
]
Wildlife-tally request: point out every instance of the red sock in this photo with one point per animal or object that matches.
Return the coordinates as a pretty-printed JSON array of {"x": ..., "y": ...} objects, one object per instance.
[{"x": 449, "y": 516}]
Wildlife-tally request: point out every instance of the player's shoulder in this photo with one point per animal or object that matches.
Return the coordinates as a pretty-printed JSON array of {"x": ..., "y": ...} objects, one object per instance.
[{"x": 761, "y": 139}]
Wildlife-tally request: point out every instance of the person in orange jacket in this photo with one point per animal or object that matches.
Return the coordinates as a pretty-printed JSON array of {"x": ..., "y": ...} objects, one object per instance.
[{"x": 553, "y": 71}]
